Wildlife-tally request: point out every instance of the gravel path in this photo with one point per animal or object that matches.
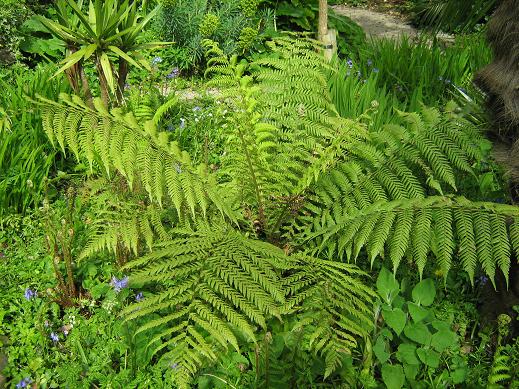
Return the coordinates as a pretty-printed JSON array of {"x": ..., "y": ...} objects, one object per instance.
[
  {"x": 382, "y": 25},
  {"x": 377, "y": 24}
]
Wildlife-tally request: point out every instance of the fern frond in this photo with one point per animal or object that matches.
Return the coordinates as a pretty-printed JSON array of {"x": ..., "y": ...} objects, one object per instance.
[
  {"x": 424, "y": 226},
  {"x": 121, "y": 144}
]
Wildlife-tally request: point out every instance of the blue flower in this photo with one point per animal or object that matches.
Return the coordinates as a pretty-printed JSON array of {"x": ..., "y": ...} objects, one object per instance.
[
  {"x": 24, "y": 383},
  {"x": 54, "y": 337},
  {"x": 349, "y": 62},
  {"x": 174, "y": 366},
  {"x": 375, "y": 70},
  {"x": 370, "y": 62},
  {"x": 29, "y": 294},
  {"x": 119, "y": 285},
  {"x": 197, "y": 108},
  {"x": 173, "y": 74},
  {"x": 156, "y": 60},
  {"x": 182, "y": 123},
  {"x": 139, "y": 296}
]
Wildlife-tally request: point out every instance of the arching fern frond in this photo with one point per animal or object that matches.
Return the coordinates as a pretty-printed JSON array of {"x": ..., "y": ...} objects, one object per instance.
[
  {"x": 118, "y": 143},
  {"x": 448, "y": 227},
  {"x": 335, "y": 307},
  {"x": 218, "y": 285},
  {"x": 423, "y": 155}
]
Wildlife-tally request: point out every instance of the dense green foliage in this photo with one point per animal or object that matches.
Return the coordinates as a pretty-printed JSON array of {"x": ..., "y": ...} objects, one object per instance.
[
  {"x": 25, "y": 156},
  {"x": 238, "y": 233}
]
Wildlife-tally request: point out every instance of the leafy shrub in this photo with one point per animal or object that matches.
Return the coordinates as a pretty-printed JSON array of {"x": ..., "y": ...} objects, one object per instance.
[
  {"x": 413, "y": 344},
  {"x": 230, "y": 23},
  {"x": 12, "y": 15}
]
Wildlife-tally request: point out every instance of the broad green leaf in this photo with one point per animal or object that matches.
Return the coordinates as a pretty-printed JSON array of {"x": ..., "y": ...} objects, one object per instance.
[
  {"x": 407, "y": 354},
  {"x": 458, "y": 376},
  {"x": 417, "y": 312},
  {"x": 443, "y": 340},
  {"x": 380, "y": 350},
  {"x": 393, "y": 376},
  {"x": 124, "y": 55},
  {"x": 395, "y": 319},
  {"x": 418, "y": 333},
  {"x": 429, "y": 357},
  {"x": 72, "y": 59},
  {"x": 424, "y": 292},
  {"x": 387, "y": 286},
  {"x": 107, "y": 71},
  {"x": 411, "y": 371}
]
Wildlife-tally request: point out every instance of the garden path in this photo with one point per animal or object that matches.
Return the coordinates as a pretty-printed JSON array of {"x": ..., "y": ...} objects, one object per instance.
[
  {"x": 382, "y": 25},
  {"x": 377, "y": 24}
]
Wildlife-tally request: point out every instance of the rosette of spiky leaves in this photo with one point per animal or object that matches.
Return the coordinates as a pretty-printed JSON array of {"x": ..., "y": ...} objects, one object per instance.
[{"x": 115, "y": 142}]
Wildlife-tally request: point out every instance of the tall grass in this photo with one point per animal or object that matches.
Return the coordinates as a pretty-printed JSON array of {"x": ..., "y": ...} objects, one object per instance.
[
  {"x": 26, "y": 157},
  {"x": 385, "y": 75}
]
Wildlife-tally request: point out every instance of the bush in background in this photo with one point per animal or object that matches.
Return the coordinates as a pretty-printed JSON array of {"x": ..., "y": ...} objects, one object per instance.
[{"x": 236, "y": 25}]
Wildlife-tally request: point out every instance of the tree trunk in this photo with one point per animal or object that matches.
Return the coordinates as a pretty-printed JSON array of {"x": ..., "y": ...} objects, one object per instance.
[
  {"x": 500, "y": 79},
  {"x": 121, "y": 79},
  {"x": 323, "y": 19}
]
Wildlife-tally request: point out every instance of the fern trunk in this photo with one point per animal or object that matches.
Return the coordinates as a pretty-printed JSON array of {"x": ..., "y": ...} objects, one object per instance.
[{"x": 500, "y": 79}]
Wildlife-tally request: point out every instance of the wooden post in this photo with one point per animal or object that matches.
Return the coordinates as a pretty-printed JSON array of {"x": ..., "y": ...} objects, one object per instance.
[{"x": 323, "y": 19}]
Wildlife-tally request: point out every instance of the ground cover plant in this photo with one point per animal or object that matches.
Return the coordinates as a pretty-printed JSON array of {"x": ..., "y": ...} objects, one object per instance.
[{"x": 281, "y": 221}]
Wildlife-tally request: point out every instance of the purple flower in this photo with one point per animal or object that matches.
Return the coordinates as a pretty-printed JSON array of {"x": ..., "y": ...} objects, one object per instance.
[
  {"x": 24, "y": 383},
  {"x": 375, "y": 70},
  {"x": 174, "y": 366},
  {"x": 119, "y": 285},
  {"x": 54, "y": 337},
  {"x": 349, "y": 62},
  {"x": 483, "y": 280},
  {"x": 173, "y": 74},
  {"x": 156, "y": 60},
  {"x": 29, "y": 294},
  {"x": 139, "y": 296},
  {"x": 197, "y": 108},
  {"x": 182, "y": 123}
]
